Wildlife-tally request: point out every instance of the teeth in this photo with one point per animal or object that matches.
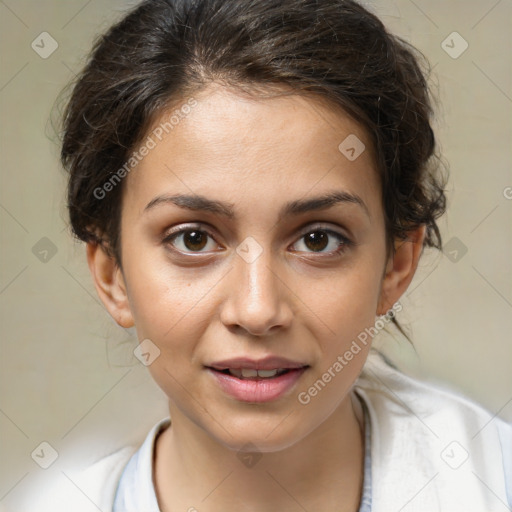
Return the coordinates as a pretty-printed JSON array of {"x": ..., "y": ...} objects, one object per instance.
[
  {"x": 246, "y": 373},
  {"x": 267, "y": 373}
]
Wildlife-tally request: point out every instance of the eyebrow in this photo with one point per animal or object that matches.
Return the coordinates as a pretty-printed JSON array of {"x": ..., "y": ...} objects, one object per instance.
[{"x": 201, "y": 203}]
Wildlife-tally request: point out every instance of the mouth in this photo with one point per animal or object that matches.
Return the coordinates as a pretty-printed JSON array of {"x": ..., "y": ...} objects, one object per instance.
[
  {"x": 247, "y": 381},
  {"x": 251, "y": 374}
]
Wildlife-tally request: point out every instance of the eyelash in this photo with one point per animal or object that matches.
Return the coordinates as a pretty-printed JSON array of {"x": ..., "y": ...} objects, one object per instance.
[{"x": 344, "y": 242}]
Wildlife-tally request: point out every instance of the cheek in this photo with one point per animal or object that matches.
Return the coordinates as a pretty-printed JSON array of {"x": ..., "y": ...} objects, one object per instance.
[
  {"x": 346, "y": 315},
  {"x": 346, "y": 303},
  {"x": 164, "y": 301},
  {"x": 169, "y": 308},
  {"x": 169, "y": 313}
]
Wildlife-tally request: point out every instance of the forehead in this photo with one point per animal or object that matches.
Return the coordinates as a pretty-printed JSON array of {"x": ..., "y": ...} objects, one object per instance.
[{"x": 229, "y": 142}]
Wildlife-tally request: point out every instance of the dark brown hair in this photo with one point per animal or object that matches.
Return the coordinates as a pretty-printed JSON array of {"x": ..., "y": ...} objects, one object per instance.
[{"x": 336, "y": 50}]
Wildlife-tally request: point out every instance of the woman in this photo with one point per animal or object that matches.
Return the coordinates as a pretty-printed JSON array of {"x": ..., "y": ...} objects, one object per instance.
[{"x": 255, "y": 182}]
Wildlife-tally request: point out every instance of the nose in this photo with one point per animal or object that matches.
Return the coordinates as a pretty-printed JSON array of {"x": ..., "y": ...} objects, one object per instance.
[{"x": 257, "y": 299}]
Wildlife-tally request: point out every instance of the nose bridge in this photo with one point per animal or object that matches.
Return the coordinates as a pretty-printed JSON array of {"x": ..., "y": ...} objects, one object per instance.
[
  {"x": 260, "y": 279},
  {"x": 257, "y": 302}
]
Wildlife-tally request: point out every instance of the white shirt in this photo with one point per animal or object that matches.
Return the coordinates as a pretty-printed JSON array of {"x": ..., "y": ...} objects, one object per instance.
[
  {"x": 431, "y": 450},
  {"x": 135, "y": 491}
]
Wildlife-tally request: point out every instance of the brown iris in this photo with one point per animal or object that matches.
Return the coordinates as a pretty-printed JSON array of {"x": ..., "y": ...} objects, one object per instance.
[
  {"x": 195, "y": 240},
  {"x": 316, "y": 240}
]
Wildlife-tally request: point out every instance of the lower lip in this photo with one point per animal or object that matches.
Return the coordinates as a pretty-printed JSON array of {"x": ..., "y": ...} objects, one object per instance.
[{"x": 257, "y": 391}]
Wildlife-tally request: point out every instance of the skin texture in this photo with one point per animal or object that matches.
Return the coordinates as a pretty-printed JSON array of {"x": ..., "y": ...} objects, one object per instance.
[{"x": 296, "y": 299}]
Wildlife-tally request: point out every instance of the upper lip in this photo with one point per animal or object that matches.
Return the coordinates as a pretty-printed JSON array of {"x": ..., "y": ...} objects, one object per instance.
[{"x": 267, "y": 363}]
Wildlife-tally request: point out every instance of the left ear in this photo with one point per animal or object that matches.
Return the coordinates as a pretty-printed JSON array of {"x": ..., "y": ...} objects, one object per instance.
[{"x": 400, "y": 269}]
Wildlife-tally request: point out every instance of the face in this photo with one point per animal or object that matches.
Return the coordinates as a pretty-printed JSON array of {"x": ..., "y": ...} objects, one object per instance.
[{"x": 274, "y": 260}]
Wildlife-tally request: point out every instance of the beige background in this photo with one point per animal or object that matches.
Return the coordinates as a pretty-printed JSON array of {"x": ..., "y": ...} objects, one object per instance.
[{"x": 67, "y": 372}]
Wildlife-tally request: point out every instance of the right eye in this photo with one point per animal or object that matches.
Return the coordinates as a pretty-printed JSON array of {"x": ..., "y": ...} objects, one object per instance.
[{"x": 190, "y": 240}]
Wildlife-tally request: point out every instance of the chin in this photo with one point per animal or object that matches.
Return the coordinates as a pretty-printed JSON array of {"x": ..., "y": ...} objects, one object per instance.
[{"x": 259, "y": 436}]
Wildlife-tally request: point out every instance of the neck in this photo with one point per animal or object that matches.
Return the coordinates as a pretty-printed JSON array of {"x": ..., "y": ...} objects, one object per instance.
[{"x": 321, "y": 472}]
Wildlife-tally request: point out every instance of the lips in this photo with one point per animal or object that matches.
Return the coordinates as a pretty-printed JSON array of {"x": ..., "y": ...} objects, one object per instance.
[{"x": 262, "y": 380}]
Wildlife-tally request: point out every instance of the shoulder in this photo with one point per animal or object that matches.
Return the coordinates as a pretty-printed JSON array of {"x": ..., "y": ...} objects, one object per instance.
[
  {"x": 95, "y": 488},
  {"x": 87, "y": 490},
  {"x": 431, "y": 404},
  {"x": 429, "y": 439}
]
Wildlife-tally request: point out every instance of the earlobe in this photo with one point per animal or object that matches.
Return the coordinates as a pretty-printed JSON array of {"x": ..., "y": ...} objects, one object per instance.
[
  {"x": 400, "y": 269},
  {"x": 109, "y": 282}
]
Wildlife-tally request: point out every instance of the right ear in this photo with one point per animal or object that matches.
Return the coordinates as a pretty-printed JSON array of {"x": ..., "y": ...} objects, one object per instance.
[{"x": 109, "y": 282}]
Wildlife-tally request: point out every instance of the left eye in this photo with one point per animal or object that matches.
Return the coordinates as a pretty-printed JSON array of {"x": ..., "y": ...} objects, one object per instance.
[{"x": 320, "y": 239}]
